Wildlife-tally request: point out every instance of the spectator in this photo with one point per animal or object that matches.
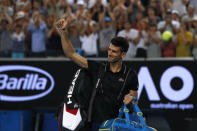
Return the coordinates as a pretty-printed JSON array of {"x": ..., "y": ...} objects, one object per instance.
[
  {"x": 120, "y": 8},
  {"x": 120, "y": 23},
  {"x": 112, "y": 4},
  {"x": 56, "y": 7},
  {"x": 97, "y": 10},
  {"x": 38, "y": 30},
  {"x": 152, "y": 18},
  {"x": 4, "y": 13},
  {"x": 81, "y": 11},
  {"x": 154, "y": 38},
  {"x": 156, "y": 5},
  {"x": 120, "y": 14},
  {"x": 176, "y": 16},
  {"x": 53, "y": 42},
  {"x": 180, "y": 6},
  {"x": 142, "y": 39},
  {"x": 169, "y": 24},
  {"x": 107, "y": 31},
  {"x": 190, "y": 15},
  {"x": 7, "y": 6},
  {"x": 23, "y": 5},
  {"x": 89, "y": 38},
  {"x": 37, "y": 7},
  {"x": 194, "y": 3},
  {"x": 166, "y": 5},
  {"x": 134, "y": 7},
  {"x": 18, "y": 42},
  {"x": 5, "y": 39},
  {"x": 5, "y": 34},
  {"x": 139, "y": 17},
  {"x": 105, "y": 35},
  {"x": 194, "y": 32},
  {"x": 184, "y": 41},
  {"x": 88, "y": 17},
  {"x": 21, "y": 18},
  {"x": 74, "y": 37},
  {"x": 130, "y": 35}
]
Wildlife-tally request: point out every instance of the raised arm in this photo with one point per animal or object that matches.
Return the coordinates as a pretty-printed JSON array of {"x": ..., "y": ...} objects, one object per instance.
[{"x": 61, "y": 27}]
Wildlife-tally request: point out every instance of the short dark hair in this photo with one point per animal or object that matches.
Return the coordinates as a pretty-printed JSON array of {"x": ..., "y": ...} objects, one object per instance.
[{"x": 120, "y": 42}]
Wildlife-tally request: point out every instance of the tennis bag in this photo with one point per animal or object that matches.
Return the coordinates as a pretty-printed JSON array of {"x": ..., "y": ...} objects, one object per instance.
[
  {"x": 130, "y": 123},
  {"x": 74, "y": 109}
]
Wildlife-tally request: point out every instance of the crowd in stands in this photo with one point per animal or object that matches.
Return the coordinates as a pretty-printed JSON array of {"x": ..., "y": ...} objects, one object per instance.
[{"x": 27, "y": 27}]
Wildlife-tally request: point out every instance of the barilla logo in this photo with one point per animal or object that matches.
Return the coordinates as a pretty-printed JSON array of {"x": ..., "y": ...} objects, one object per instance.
[{"x": 24, "y": 83}]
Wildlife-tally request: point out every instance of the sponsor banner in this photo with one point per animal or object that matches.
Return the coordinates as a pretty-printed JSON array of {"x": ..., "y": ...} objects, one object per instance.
[
  {"x": 34, "y": 84},
  {"x": 168, "y": 85},
  {"x": 29, "y": 79}
]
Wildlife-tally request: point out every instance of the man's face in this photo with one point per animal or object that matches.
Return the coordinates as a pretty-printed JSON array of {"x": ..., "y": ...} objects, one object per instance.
[
  {"x": 195, "y": 23},
  {"x": 4, "y": 24},
  {"x": 36, "y": 5},
  {"x": 153, "y": 28},
  {"x": 115, "y": 54},
  {"x": 107, "y": 24},
  {"x": 168, "y": 18},
  {"x": 127, "y": 26}
]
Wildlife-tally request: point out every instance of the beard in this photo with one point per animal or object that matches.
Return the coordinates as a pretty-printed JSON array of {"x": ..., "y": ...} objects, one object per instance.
[{"x": 114, "y": 59}]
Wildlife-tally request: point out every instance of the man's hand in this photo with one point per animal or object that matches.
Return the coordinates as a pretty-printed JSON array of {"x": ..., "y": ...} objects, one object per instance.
[
  {"x": 127, "y": 99},
  {"x": 63, "y": 24}
]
